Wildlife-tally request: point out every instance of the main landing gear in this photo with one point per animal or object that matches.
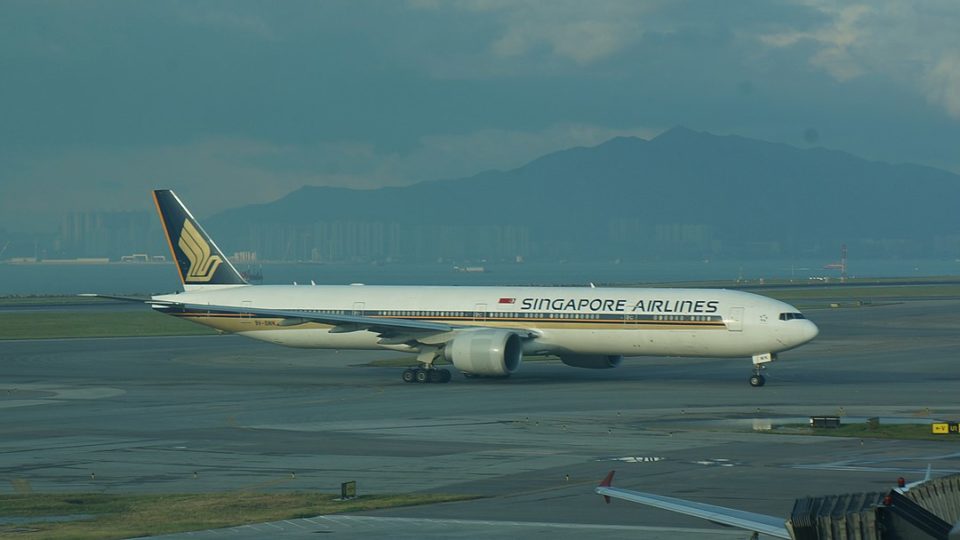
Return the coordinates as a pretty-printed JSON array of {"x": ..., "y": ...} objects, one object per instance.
[
  {"x": 421, "y": 375},
  {"x": 426, "y": 373}
]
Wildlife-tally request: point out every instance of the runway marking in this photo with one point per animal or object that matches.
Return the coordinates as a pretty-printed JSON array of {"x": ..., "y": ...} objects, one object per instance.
[
  {"x": 867, "y": 468},
  {"x": 716, "y": 462},
  {"x": 342, "y": 521},
  {"x": 878, "y": 465},
  {"x": 397, "y": 425},
  {"x": 634, "y": 459}
]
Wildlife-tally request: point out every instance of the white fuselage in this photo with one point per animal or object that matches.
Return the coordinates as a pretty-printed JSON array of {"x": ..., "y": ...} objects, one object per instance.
[{"x": 563, "y": 320}]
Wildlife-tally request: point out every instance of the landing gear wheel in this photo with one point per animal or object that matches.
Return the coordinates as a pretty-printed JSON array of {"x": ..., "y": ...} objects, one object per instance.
[
  {"x": 757, "y": 380},
  {"x": 422, "y": 376},
  {"x": 409, "y": 375},
  {"x": 436, "y": 376},
  {"x": 445, "y": 375}
]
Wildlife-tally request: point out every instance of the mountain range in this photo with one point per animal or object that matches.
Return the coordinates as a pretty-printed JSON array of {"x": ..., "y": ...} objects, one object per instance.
[{"x": 681, "y": 194}]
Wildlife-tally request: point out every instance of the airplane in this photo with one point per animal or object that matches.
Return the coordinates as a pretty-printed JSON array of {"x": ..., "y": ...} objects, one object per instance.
[
  {"x": 481, "y": 331},
  {"x": 756, "y": 524}
]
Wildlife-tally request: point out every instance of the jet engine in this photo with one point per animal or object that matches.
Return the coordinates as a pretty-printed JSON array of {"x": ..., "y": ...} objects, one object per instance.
[
  {"x": 487, "y": 352},
  {"x": 591, "y": 361}
]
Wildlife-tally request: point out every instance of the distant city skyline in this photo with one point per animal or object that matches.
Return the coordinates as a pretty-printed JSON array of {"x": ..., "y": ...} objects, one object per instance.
[{"x": 233, "y": 103}]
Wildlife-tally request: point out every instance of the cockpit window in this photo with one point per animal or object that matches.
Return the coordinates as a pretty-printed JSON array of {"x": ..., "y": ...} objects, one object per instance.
[{"x": 791, "y": 316}]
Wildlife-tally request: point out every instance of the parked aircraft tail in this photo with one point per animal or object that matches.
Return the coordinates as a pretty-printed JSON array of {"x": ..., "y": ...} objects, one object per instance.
[{"x": 199, "y": 260}]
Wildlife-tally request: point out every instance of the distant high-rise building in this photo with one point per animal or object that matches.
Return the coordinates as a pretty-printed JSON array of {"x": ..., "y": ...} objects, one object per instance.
[
  {"x": 108, "y": 234},
  {"x": 337, "y": 241}
]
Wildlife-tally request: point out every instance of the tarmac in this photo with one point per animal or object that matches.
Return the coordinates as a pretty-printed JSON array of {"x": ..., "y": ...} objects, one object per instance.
[{"x": 221, "y": 413}]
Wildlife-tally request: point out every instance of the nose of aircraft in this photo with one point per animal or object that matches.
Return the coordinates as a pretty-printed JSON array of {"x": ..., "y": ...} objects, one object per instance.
[{"x": 809, "y": 331}]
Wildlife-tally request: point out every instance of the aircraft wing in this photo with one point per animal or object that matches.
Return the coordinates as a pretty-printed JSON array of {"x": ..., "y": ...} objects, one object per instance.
[
  {"x": 397, "y": 329},
  {"x": 760, "y": 523}
]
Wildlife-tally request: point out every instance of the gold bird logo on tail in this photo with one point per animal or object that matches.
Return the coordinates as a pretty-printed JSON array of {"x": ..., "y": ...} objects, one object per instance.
[{"x": 203, "y": 264}]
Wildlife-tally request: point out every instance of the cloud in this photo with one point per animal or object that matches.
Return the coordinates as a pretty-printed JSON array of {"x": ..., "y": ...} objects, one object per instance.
[
  {"x": 833, "y": 40},
  {"x": 566, "y": 30},
  {"x": 911, "y": 44},
  {"x": 580, "y": 41},
  {"x": 233, "y": 20},
  {"x": 943, "y": 83}
]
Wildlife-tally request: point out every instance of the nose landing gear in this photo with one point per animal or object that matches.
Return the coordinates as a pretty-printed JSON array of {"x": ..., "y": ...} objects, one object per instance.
[{"x": 759, "y": 364}]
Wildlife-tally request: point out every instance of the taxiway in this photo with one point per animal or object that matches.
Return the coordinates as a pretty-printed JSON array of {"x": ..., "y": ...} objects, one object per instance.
[{"x": 216, "y": 413}]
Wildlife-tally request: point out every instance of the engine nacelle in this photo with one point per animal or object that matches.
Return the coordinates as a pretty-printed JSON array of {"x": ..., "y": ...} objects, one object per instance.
[
  {"x": 591, "y": 361},
  {"x": 485, "y": 352}
]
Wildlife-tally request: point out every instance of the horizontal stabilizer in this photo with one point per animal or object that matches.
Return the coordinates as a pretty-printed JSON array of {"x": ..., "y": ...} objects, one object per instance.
[{"x": 136, "y": 299}]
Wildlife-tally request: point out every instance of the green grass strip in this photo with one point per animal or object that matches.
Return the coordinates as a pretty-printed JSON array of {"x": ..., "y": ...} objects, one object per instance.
[
  {"x": 63, "y": 324},
  {"x": 126, "y": 516},
  {"x": 911, "y": 432},
  {"x": 862, "y": 293},
  {"x": 53, "y": 300}
]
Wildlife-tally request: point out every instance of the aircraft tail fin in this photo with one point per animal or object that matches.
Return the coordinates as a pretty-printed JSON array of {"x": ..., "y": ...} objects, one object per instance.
[{"x": 200, "y": 262}]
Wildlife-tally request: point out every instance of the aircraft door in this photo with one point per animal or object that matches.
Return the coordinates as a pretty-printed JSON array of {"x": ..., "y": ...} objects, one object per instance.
[
  {"x": 246, "y": 317},
  {"x": 480, "y": 312},
  {"x": 734, "y": 321},
  {"x": 358, "y": 309}
]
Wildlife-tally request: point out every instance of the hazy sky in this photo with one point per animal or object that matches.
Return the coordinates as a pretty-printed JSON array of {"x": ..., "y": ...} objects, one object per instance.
[{"x": 237, "y": 102}]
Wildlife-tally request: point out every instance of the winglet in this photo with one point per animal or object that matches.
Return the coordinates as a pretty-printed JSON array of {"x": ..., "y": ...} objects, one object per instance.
[
  {"x": 607, "y": 481},
  {"x": 904, "y": 487}
]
